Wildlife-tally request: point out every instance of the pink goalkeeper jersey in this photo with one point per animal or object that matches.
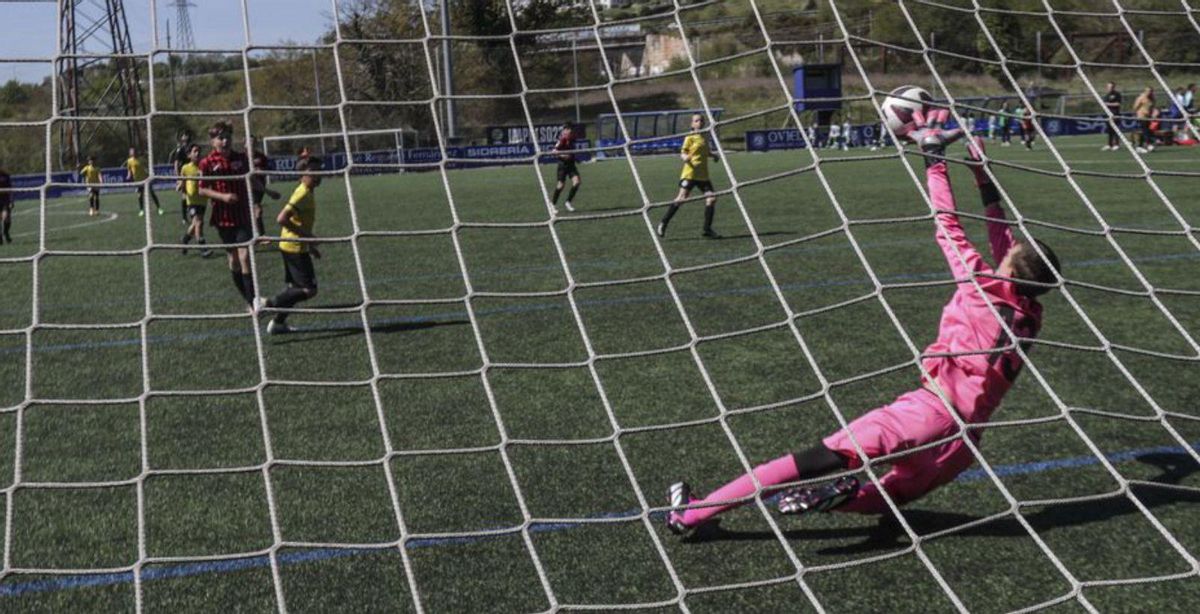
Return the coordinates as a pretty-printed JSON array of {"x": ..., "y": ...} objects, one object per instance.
[{"x": 975, "y": 361}]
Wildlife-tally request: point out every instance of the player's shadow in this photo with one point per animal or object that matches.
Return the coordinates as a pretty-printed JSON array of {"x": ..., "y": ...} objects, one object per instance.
[
  {"x": 889, "y": 535},
  {"x": 586, "y": 210},
  {"x": 744, "y": 235},
  {"x": 384, "y": 328}
]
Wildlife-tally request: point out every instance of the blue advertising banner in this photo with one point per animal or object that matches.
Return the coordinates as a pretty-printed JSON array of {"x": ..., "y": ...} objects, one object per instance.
[
  {"x": 768, "y": 140},
  {"x": 28, "y": 186},
  {"x": 663, "y": 145},
  {"x": 64, "y": 183}
]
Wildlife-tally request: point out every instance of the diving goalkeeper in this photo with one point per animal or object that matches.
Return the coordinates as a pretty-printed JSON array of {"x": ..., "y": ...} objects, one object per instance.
[{"x": 972, "y": 362}]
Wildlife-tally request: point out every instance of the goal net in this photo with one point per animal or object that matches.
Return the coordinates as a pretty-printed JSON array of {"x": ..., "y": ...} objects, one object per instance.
[{"x": 485, "y": 403}]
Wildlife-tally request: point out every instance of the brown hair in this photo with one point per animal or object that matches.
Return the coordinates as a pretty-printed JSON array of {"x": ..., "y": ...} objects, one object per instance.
[
  {"x": 1028, "y": 265},
  {"x": 218, "y": 128},
  {"x": 311, "y": 163}
]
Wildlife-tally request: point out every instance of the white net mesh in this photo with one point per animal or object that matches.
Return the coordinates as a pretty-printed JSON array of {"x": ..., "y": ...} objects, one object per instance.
[{"x": 422, "y": 581}]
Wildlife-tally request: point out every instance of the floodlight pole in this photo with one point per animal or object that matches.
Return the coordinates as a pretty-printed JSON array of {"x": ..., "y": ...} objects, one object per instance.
[
  {"x": 317, "y": 91},
  {"x": 448, "y": 71},
  {"x": 171, "y": 69},
  {"x": 575, "y": 66}
]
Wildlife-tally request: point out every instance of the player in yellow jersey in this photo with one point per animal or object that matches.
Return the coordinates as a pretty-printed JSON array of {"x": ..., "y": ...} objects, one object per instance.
[
  {"x": 91, "y": 176},
  {"x": 135, "y": 171},
  {"x": 296, "y": 220},
  {"x": 695, "y": 154},
  {"x": 196, "y": 202}
]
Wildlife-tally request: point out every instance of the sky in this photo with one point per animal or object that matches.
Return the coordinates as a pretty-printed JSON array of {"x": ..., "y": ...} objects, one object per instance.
[{"x": 216, "y": 24}]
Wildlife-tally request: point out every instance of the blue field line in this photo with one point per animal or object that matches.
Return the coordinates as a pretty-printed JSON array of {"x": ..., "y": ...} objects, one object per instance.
[
  {"x": 487, "y": 274},
  {"x": 1068, "y": 463},
  {"x": 588, "y": 264},
  {"x": 324, "y": 554},
  {"x": 459, "y": 315}
]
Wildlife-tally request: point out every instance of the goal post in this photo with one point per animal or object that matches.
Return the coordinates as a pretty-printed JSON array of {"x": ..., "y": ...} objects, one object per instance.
[{"x": 373, "y": 147}]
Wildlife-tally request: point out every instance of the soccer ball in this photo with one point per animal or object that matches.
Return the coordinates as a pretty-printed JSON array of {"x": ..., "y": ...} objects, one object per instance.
[{"x": 901, "y": 105}]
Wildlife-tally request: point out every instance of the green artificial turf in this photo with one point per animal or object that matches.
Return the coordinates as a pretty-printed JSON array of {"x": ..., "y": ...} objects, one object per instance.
[{"x": 453, "y": 449}]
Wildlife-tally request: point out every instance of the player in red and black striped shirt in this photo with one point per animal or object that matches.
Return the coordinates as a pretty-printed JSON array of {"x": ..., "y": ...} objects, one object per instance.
[
  {"x": 6, "y": 204},
  {"x": 225, "y": 184},
  {"x": 565, "y": 150}
]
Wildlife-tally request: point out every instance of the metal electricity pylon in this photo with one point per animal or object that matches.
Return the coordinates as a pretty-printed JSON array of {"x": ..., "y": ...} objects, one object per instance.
[{"x": 99, "y": 78}]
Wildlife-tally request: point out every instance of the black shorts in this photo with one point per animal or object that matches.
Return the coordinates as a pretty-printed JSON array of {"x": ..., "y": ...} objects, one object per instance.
[
  {"x": 298, "y": 270},
  {"x": 256, "y": 197},
  {"x": 690, "y": 184},
  {"x": 234, "y": 234},
  {"x": 567, "y": 168},
  {"x": 94, "y": 191},
  {"x": 196, "y": 211}
]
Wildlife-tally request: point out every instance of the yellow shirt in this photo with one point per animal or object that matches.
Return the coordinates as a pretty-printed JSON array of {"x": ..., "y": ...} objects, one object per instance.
[
  {"x": 303, "y": 208},
  {"x": 91, "y": 174},
  {"x": 696, "y": 167},
  {"x": 191, "y": 187},
  {"x": 135, "y": 168}
]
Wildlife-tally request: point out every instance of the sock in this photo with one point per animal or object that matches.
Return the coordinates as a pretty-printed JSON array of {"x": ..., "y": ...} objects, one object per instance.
[
  {"x": 670, "y": 213},
  {"x": 285, "y": 300},
  {"x": 7, "y": 226},
  {"x": 709, "y": 211},
  {"x": 818, "y": 461},
  {"x": 778, "y": 471},
  {"x": 248, "y": 288},
  {"x": 238, "y": 281},
  {"x": 571, "y": 194},
  {"x": 557, "y": 191},
  {"x": 154, "y": 195}
]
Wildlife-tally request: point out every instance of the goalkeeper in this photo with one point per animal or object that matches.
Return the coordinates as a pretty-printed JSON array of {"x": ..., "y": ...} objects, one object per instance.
[{"x": 972, "y": 362}]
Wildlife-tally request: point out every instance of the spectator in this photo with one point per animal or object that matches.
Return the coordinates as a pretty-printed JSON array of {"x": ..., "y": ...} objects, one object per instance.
[
  {"x": 1112, "y": 101},
  {"x": 1142, "y": 107}
]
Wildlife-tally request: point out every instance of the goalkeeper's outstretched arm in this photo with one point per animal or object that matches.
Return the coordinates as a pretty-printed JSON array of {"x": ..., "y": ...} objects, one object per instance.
[{"x": 999, "y": 233}]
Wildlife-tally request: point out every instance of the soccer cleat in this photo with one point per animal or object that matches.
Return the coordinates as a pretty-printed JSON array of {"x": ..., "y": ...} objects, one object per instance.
[
  {"x": 818, "y": 498},
  {"x": 160, "y": 211},
  {"x": 141, "y": 213},
  {"x": 1142, "y": 150},
  {"x": 569, "y": 206},
  {"x": 661, "y": 230},
  {"x": 678, "y": 495},
  {"x": 279, "y": 328},
  {"x": 260, "y": 303},
  {"x": 709, "y": 233}
]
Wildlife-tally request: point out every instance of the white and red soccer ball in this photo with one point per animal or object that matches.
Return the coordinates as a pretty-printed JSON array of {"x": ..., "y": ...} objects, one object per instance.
[{"x": 903, "y": 107}]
